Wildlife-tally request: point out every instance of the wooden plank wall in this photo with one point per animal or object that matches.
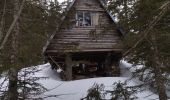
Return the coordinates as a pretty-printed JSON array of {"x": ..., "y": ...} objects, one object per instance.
[{"x": 101, "y": 37}]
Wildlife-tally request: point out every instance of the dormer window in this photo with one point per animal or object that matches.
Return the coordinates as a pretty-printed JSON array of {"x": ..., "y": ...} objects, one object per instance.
[{"x": 83, "y": 19}]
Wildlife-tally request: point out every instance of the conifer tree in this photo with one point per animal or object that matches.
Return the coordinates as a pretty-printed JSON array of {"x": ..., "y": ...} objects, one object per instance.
[
  {"x": 23, "y": 46},
  {"x": 147, "y": 40}
]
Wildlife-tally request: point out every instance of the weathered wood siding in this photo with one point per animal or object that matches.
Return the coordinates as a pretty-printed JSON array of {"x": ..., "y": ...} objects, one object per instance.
[{"x": 101, "y": 36}]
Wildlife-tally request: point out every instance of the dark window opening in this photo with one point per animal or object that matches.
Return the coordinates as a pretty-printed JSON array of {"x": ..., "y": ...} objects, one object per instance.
[{"x": 83, "y": 19}]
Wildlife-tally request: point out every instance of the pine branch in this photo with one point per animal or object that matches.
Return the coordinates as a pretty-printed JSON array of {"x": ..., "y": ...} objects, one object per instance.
[
  {"x": 12, "y": 25},
  {"x": 152, "y": 24}
]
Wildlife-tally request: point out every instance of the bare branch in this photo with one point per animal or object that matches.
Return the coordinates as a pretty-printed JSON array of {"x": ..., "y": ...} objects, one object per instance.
[
  {"x": 12, "y": 26},
  {"x": 59, "y": 67},
  {"x": 2, "y": 21}
]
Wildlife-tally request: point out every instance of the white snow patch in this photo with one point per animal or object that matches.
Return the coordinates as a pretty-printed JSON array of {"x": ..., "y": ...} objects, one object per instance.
[{"x": 75, "y": 90}]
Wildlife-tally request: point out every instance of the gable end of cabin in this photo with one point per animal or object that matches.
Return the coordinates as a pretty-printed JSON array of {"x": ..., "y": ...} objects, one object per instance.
[{"x": 87, "y": 36}]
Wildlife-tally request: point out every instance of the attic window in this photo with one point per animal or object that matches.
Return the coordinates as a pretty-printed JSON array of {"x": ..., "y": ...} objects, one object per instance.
[{"x": 83, "y": 19}]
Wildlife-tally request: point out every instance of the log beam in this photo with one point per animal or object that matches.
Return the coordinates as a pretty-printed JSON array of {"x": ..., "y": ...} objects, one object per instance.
[
  {"x": 108, "y": 65},
  {"x": 68, "y": 62}
]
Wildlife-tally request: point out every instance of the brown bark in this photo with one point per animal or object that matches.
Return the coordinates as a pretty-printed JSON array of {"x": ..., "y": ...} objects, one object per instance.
[
  {"x": 2, "y": 21},
  {"x": 13, "y": 79},
  {"x": 12, "y": 26},
  {"x": 159, "y": 78},
  {"x": 13, "y": 72}
]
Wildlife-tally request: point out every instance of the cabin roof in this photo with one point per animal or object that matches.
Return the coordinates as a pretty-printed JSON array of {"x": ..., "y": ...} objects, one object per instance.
[{"x": 88, "y": 50}]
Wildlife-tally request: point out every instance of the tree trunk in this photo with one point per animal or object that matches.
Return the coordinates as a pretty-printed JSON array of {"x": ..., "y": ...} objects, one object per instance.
[
  {"x": 13, "y": 79},
  {"x": 13, "y": 72},
  {"x": 160, "y": 83},
  {"x": 159, "y": 78}
]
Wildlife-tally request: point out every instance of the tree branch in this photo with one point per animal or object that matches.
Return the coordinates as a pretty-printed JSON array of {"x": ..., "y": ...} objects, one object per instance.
[
  {"x": 164, "y": 9},
  {"x": 12, "y": 26},
  {"x": 2, "y": 21}
]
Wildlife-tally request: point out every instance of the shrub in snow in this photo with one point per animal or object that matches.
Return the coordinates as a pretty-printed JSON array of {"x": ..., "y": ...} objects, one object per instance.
[
  {"x": 123, "y": 92},
  {"x": 95, "y": 92},
  {"x": 120, "y": 92},
  {"x": 28, "y": 86}
]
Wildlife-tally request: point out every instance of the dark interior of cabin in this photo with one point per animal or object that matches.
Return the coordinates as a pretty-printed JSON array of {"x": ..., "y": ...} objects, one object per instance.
[{"x": 90, "y": 64}]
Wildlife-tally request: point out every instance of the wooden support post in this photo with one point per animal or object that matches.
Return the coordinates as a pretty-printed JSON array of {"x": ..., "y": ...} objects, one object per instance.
[
  {"x": 68, "y": 62},
  {"x": 115, "y": 64},
  {"x": 115, "y": 68},
  {"x": 108, "y": 63}
]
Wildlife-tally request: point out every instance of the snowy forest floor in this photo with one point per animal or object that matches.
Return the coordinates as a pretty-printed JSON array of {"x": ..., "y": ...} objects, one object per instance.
[{"x": 77, "y": 89}]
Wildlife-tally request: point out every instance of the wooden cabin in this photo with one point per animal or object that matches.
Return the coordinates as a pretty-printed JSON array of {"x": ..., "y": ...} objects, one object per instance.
[{"x": 88, "y": 42}]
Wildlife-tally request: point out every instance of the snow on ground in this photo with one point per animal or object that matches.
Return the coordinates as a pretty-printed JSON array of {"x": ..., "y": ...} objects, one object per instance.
[
  {"x": 75, "y": 90},
  {"x": 125, "y": 69}
]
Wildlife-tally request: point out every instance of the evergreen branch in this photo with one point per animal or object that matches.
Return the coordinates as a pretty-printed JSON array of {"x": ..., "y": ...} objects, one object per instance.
[
  {"x": 12, "y": 26},
  {"x": 164, "y": 9}
]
